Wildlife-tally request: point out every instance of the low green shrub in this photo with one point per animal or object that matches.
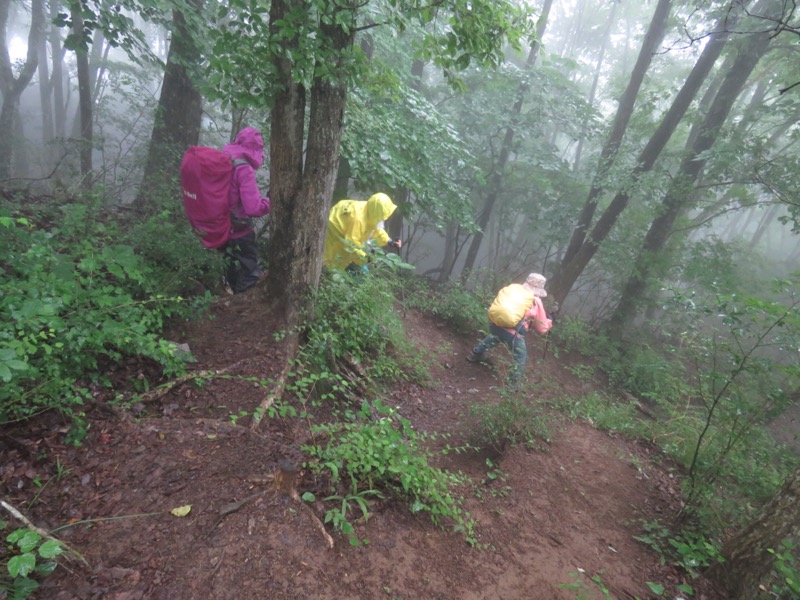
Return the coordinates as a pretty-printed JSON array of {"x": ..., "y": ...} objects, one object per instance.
[
  {"x": 356, "y": 322},
  {"x": 646, "y": 373},
  {"x": 72, "y": 301},
  {"x": 377, "y": 451},
  {"x": 181, "y": 265},
  {"x": 464, "y": 311},
  {"x": 786, "y": 573},
  {"x": 511, "y": 421},
  {"x": 26, "y": 556},
  {"x": 686, "y": 549},
  {"x": 575, "y": 335}
]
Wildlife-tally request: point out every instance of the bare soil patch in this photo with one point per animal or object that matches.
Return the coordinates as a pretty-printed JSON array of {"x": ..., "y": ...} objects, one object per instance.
[{"x": 566, "y": 512}]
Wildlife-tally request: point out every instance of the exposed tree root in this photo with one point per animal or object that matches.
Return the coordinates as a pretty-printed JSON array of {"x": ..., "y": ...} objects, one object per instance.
[
  {"x": 292, "y": 348},
  {"x": 232, "y": 508},
  {"x": 163, "y": 389},
  {"x": 285, "y": 482},
  {"x": 317, "y": 523}
]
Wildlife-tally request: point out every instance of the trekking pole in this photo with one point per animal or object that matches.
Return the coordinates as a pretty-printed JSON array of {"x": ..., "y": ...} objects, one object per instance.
[{"x": 553, "y": 316}]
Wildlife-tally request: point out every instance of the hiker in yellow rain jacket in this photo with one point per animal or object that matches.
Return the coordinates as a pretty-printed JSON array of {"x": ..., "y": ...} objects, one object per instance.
[{"x": 351, "y": 224}]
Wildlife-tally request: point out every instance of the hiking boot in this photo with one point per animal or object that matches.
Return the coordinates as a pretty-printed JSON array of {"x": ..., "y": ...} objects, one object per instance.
[{"x": 475, "y": 357}]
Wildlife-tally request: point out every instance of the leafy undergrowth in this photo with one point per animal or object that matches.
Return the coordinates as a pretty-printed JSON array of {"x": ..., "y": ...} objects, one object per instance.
[{"x": 174, "y": 494}]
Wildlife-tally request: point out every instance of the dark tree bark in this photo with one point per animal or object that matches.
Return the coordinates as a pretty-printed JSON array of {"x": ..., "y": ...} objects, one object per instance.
[
  {"x": 571, "y": 268},
  {"x": 178, "y": 117},
  {"x": 94, "y": 67},
  {"x": 497, "y": 175},
  {"x": 301, "y": 193},
  {"x": 747, "y": 558},
  {"x": 12, "y": 87},
  {"x": 84, "y": 99},
  {"x": 653, "y": 260}
]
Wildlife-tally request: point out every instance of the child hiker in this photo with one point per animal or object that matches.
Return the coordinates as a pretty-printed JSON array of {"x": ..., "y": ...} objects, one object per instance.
[{"x": 512, "y": 312}]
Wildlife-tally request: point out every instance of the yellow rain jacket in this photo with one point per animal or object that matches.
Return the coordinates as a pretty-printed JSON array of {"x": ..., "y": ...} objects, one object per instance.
[{"x": 356, "y": 221}]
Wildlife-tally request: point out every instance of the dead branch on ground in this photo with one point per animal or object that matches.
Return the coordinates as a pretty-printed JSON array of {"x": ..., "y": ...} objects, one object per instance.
[{"x": 27, "y": 522}]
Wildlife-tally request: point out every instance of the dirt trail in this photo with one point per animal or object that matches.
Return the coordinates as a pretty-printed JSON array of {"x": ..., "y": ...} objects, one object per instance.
[{"x": 563, "y": 514}]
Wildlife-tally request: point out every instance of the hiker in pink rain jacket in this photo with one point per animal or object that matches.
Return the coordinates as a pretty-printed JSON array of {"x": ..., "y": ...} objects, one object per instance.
[
  {"x": 246, "y": 203},
  {"x": 514, "y": 337}
]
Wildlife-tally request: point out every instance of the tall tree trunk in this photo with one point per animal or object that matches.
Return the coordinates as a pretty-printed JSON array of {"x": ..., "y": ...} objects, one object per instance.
[
  {"x": 301, "y": 194},
  {"x": 46, "y": 102},
  {"x": 12, "y": 87},
  {"x": 596, "y": 79},
  {"x": 178, "y": 117},
  {"x": 497, "y": 175},
  {"x": 449, "y": 254},
  {"x": 95, "y": 70},
  {"x": 748, "y": 560},
  {"x": 652, "y": 259},
  {"x": 99, "y": 64},
  {"x": 571, "y": 268},
  {"x": 652, "y": 39},
  {"x": 84, "y": 99},
  {"x": 59, "y": 107}
]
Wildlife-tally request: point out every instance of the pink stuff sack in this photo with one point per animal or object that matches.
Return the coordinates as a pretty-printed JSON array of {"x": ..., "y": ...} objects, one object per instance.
[{"x": 205, "y": 178}]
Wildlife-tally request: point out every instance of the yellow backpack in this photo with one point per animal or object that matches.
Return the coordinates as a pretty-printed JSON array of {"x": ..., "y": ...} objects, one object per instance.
[{"x": 510, "y": 305}]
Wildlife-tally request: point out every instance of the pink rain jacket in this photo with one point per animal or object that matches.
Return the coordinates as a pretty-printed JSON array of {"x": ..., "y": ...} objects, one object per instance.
[
  {"x": 244, "y": 197},
  {"x": 536, "y": 314}
]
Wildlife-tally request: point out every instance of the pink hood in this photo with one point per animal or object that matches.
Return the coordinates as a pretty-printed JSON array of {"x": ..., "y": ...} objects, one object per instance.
[{"x": 248, "y": 145}]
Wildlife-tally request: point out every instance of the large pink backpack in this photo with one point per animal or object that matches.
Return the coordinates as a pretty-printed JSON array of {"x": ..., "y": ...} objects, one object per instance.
[{"x": 205, "y": 179}]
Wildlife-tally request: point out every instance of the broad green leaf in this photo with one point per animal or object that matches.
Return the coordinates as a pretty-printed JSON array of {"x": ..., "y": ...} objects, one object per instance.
[
  {"x": 50, "y": 549},
  {"x": 27, "y": 541},
  {"x": 21, "y": 565},
  {"x": 656, "y": 588}
]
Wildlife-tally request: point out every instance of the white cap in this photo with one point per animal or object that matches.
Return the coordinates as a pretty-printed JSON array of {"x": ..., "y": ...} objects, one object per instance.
[{"x": 536, "y": 282}]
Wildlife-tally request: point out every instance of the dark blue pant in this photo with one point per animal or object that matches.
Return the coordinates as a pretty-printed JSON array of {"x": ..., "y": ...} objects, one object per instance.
[
  {"x": 514, "y": 341},
  {"x": 241, "y": 258}
]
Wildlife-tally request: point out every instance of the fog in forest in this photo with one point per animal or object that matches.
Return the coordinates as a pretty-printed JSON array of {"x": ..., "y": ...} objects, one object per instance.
[
  {"x": 640, "y": 155},
  {"x": 518, "y": 150}
]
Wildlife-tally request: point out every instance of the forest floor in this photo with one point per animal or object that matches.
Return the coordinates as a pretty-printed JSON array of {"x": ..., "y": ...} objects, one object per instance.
[{"x": 564, "y": 513}]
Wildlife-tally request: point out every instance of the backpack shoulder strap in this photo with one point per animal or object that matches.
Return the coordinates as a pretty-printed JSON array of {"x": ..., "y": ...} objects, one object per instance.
[{"x": 238, "y": 163}]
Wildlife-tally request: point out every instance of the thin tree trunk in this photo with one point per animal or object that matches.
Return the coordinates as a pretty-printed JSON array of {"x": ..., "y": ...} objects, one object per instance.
[
  {"x": 46, "y": 102},
  {"x": 767, "y": 220},
  {"x": 59, "y": 108},
  {"x": 84, "y": 99},
  {"x": 576, "y": 31},
  {"x": 99, "y": 68},
  {"x": 449, "y": 254}
]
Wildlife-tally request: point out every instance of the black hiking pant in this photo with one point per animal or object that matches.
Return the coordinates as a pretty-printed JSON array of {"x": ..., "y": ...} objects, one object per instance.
[{"x": 241, "y": 258}]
